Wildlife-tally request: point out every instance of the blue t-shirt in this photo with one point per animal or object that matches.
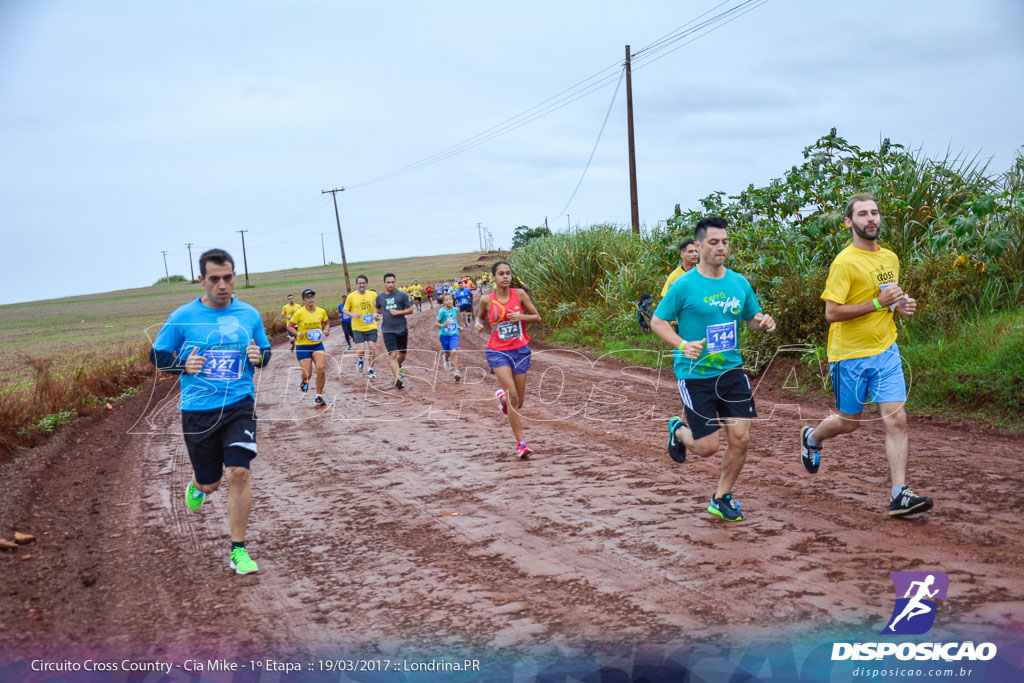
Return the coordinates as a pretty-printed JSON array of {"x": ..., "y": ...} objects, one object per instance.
[
  {"x": 464, "y": 296},
  {"x": 345, "y": 317},
  {"x": 449, "y": 318},
  {"x": 221, "y": 335},
  {"x": 710, "y": 309}
]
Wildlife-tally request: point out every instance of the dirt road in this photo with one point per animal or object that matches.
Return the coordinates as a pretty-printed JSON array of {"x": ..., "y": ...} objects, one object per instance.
[{"x": 398, "y": 520}]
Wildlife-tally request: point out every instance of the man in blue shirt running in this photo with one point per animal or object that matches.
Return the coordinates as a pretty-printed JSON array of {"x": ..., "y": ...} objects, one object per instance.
[
  {"x": 464, "y": 297},
  {"x": 214, "y": 343},
  {"x": 709, "y": 302}
]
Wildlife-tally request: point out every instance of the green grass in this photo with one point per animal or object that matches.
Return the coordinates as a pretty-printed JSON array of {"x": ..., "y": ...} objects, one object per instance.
[{"x": 974, "y": 372}]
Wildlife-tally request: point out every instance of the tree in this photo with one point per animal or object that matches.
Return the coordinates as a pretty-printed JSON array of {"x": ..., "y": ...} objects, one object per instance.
[{"x": 524, "y": 234}]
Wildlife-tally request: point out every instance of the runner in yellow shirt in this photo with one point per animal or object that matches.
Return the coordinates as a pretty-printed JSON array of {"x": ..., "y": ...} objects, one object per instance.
[
  {"x": 309, "y": 325},
  {"x": 288, "y": 311},
  {"x": 862, "y": 295},
  {"x": 361, "y": 305}
]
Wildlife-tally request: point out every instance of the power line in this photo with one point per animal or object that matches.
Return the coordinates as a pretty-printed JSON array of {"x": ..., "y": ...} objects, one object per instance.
[
  {"x": 757, "y": 4},
  {"x": 596, "y": 142},
  {"x": 553, "y": 103}
]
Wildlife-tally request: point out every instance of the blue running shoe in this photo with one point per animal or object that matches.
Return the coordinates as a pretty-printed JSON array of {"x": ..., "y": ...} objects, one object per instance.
[
  {"x": 726, "y": 508},
  {"x": 810, "y": 457},
  {"x": 676, "y": 448}
]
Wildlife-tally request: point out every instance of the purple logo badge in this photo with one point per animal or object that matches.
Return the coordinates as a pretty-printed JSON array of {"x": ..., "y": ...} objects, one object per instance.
[{"x": 916, "y": 596}]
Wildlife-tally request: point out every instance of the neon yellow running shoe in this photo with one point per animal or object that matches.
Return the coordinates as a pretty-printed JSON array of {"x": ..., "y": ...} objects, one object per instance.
[
  {"x": 194, "y": 497},
  {"x": 241, "y": 562}
]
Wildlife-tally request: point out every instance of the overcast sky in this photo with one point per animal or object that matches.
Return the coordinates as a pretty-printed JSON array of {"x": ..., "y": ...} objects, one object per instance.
[{"x": 130, "y": 128}]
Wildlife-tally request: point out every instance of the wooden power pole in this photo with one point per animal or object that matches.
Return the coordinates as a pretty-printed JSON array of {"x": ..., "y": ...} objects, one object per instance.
[
  {"x": 337, "y": 219},
  {"x": 634, "y": 203},
  {"x": 245, "y": 259}
]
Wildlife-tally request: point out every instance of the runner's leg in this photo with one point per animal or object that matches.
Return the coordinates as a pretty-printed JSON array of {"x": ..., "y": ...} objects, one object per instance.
[
  {"x": 897, "y": 442},
  {"x": 307, "y": 368},
  {"x": 738, "y": 434},
  {"x": 508, "y": 383},
  {"x": 239, "y": 502},
  {"x": 320, "y": 358}
]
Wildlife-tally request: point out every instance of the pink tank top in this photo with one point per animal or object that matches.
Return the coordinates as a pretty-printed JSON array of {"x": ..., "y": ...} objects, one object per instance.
[{"x": 506, "y": 335}]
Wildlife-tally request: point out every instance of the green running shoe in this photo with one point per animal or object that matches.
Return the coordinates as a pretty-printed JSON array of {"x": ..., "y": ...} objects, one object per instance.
[
  {"x": 194, "y": 497},
  {"x": 241, "y": 562}
]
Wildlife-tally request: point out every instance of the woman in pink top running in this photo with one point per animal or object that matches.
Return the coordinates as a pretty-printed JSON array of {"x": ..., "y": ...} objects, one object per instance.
[{"x": 506, "y": 311}]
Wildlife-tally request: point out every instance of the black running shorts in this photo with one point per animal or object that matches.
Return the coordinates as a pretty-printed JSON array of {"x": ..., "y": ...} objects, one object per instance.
[
  {"x": 219, "y": 439},
  {"x": 705, "y": 400},
  {"x": 396, "y": 342}
]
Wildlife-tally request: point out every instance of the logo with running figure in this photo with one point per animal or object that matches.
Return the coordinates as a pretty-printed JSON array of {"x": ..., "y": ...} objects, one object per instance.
[{"x": 914, "y": 612}]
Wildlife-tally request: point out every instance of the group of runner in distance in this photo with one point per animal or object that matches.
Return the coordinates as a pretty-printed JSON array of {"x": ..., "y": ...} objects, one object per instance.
[{"x": 215, "y": 343}]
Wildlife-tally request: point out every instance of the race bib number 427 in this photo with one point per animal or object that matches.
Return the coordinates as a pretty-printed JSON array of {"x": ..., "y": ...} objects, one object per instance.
[{"x": 222, "y": 364}]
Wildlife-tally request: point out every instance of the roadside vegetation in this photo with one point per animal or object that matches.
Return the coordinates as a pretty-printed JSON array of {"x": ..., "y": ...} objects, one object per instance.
[{"x": 957, "y": 228}]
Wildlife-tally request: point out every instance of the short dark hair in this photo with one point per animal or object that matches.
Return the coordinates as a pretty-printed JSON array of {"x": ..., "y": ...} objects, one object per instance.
[
  {"x": 708, "y": 222},
  {"x": 361, "y": 276},
  {"x": 859, "y": 197},
  {"x": 387, "y": 275},
  {"x": 218, "y": 256},
  {"x": 685, "y": 243}
]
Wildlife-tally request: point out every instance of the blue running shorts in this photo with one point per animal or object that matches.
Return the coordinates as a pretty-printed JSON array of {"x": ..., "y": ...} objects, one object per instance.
[{"x": 877, "y": 379}]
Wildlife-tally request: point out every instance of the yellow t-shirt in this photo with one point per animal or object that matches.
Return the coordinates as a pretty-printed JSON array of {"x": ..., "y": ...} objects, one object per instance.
[
  {"x": 289, "y": 310},
  {"x": 672, "y": 277},
  {"x": 310, "y": 325},
  {"x": 361, "y": 307},
  {"x": 856, "y": 276}
]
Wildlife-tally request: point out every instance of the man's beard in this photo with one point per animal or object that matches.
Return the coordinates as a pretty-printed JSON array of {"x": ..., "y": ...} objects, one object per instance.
[{"x": 862, "y": 232}]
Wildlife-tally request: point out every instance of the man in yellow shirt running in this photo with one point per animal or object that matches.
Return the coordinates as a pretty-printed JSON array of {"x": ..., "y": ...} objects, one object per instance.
[
  {"x": 310, "y": 326},
  {"x": 361, "y": 305},
  {"x": 861, "y": 295},
  {"x": 288, "y": 311},
  {"x": 689, "y": 254}
]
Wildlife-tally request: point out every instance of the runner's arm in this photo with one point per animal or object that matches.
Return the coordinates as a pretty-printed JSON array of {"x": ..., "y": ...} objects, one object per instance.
[
  {"x": 761, "y": 322},
  {"x": 482, "y": 314},
  {"x": 532, "y": 316},
  {"x": 293, "y": 329},
  {"x": 836, "y": 312},
  {"x": 663, "y": 329}
]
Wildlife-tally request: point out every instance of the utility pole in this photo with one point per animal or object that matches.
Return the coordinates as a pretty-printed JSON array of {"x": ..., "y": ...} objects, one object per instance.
[
  {"x": 322, "y": 249},
  {"x": 337, "y": 219},
  {"x": 167, "y": 275},
  {"x": 190, "y": 268},
  {"x": 568, "y": 223},
  {"x": 545, "y": 222},
  {"x": 634, "y": 203},
  {"x": 480, "y": 235},
  {"x": 245, "y": 260}
]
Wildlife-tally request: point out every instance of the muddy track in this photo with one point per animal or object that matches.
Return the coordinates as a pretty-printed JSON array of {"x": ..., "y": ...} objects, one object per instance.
[{"x": 401, "y": 519}]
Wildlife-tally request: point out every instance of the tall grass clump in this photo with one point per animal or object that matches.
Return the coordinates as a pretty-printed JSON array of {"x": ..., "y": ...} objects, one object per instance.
[
  {"x": 30, "y": 409},
  {"x": 592, "y": 274}
]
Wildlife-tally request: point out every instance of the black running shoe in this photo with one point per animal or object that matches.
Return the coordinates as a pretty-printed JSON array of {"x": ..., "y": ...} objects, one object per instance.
[
  {"x": 676, "y": 448},
  {"x": 908, "y": 503},
  {"x": 726, "y": 508},
  {"x": 319, "y": 400},
  {"x": 304, "y": 386},
  {"x": 810, "y": 457}
]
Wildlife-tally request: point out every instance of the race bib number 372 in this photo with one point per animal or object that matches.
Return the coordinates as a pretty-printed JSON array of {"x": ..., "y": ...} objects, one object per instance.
[
  {"x": 509, "y": 330},
  {"x": 721, "y": 337}
]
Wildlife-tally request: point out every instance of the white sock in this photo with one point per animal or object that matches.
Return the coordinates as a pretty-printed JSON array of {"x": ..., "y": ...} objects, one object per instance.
[{"x": 896, "y": 490}]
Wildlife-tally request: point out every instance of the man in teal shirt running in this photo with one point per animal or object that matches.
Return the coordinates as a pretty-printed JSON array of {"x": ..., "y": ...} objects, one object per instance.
[{"x": 709, "y": 302}]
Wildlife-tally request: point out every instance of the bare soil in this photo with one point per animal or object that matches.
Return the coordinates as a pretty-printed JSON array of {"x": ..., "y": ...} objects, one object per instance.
[{"x": 401, "y": 520}]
